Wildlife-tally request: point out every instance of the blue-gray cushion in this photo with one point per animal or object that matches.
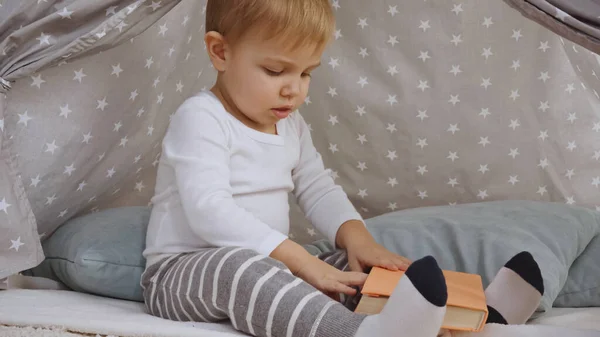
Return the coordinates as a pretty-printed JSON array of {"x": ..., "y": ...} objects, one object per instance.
[
  {"x": 480, "y": 237},
  {"x": 99, "y": 253}
]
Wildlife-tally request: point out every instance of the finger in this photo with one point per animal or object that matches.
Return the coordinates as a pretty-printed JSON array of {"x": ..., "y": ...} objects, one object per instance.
[
  {"x": 353, "y": 278},
  {"x": 389, "y": 264},
  {"x": 339, "y": 287},
  {"x": 355, "y": 265}
]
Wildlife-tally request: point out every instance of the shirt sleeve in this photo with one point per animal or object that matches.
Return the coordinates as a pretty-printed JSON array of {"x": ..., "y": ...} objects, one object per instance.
[
  {"x": 197, "y": 147},
  {"x": 324, "y": 203}
]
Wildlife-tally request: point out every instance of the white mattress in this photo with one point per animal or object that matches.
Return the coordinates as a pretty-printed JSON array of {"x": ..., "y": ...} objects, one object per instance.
[{"x": 92, "y": 314}]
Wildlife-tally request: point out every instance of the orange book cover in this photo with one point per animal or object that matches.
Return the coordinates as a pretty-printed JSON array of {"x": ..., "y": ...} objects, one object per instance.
[{"x": 464, "y": 290}]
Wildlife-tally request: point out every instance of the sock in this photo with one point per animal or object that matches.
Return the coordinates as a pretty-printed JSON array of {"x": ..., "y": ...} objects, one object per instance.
[
  {"x": 416, "y": 307},
  {"x": 516, "y": 291}
]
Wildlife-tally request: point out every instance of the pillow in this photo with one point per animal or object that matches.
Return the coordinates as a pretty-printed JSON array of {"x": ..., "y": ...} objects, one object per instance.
[
  {"x": 99, "y": 253},
  {"x": 480, "y": 237}
]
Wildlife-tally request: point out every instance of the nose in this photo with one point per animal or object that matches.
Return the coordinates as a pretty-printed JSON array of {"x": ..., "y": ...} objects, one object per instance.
[{"x": 292, "y": 88}]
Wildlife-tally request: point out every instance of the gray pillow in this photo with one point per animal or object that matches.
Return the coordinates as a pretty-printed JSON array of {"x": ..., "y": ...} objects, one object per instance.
[
  {"x": 479, "y": 238},
  {"x": 99, "y": 253}
]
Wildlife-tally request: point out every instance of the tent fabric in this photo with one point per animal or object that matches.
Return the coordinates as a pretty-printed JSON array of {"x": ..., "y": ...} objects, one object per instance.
[
  {"x": 35, "y": 36},
  {"x": 427, "y": 103},
  {"x": 576, "y": 20}
]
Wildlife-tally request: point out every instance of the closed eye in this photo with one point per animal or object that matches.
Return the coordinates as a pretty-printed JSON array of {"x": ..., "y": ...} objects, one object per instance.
[{"x": 272, "y": 72}]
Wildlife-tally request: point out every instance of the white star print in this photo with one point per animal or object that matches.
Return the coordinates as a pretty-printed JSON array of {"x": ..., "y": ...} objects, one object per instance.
[
  {"x": 391, "y": 155},
  {"x": 24, "y": 118},
  {"x": 570, "y": 200},
  {"x": 516, "y": 64},
  {"x": 65, "y": 111},
  {"x": 422, "y": 170},
  {"x": 81, "y": 186},
  {"x": 87, "y": 137},
  {"x": 514, "y": 94},
  {"x": 333, "y": 148},
  {"x": 486, "y": 82},
  {"x": 124, "y": 141},
  {"x": 63, "y": 213},
  {"x": 596, "y": 127},
  {"x": 4, "y": 205},
  {"x": 101, "y": 104},
  {"x": 51, "y": 147},
  {"x": 572, "y": 146},
  {"x": 65, "y": 13},
  {"x": 422, "y": 142},
  {"x": 514, "y": 124},
  {"x": 570, "y": 173},
  {"x": 159, "y": 98},
  {"x": 362, "y": 22},
  {"x": 361, "y": 165},
  {"x": 514, "y": 153},
  {"x": 391, "y": 128},
  {"x": 133, "y": 95},
  {"x": 156, "y": 5},
  {"x": 333, "y": 120},
  {"x": 422, "y": 114},
  {"x": 560, "y": 14},
  {"x": 424, "y": 25},
  {"x": 453, "y": 182},
  {"x": 572, "y": 117},
  {"x": 117, "y": 70},
  {"x": 570, "y": 88},
  {"x": 543, "y": 163},
  {"x": 35, "y": 181},
  {"x": 517, "y": 35},
  {"x": 596, "y": 182},
  {"x": 453, "y": 128},
  {"x": 544, "y": 76},
  {"x": 513, "y": 180},
  {"x": 110, "y": 172},
  {"x": 362, "y": 139},
  {"x": 150, "y": 131},
  {"x": 392, "y": 206},
  {"x": 50, "y": 200},
  {"x": 69, "y": 169},
  {"x": 487, "y": 22},
  {"x": 544, "y": 106},
  {"x": 454, "y": 99},
  {"x": 149, "y": 62},
  {"x": 482, "y": 194},
  {"x": 44, "y": 39},
  {"x": 338, "y": 34},
  {"x": 542, "y": 190},
  {"x": 37, "y": 81},
  {"x": 334, "y": 62},
  {"x": 457, "y": 9},
  {"x": 363, "y": 52},
  {"x": 393, "y": 10},
  {"x": 483, "y": 168},
  {"x": 332, "y": 92},
  {"x": 452, "y": 156},
  {"x": 393, "y": 40},
  {"x": 179, "y": 87},
  {"x": 118, "y": 126},
  {"x": 392, "y": 99},
  {"x": 484, "y": 141},
  {"x": 423, "y": 85},
  {"x": 362, "y": 82},
  {"x": 121, "y": 26},
  {"x": 362, "y": 193},
  {"x": 424, "y": 56},
  {"x": 596, "y": 155},
  {"x": 456, "y": 39},
  {"x": 111, "y": 10},
  {"x": 336, "y": 4},
  {"x": 487, "y": 52},
  {"x": 392, "y": 70},
  {"x": 544, "y": 46},
  {"x": 360, "y": 110},
  {"x": 16, "y": 244},
  {"x": 392, "y": 182},
  {"x": 485, "y": 112},
  {"x": 423, "y": 194},
  {"x": 79, "y": 75},
  {"x": 455, "y": 70}
]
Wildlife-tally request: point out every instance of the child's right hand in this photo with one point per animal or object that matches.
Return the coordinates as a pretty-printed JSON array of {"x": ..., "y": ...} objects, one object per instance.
[{"x": 329, "y": 279}]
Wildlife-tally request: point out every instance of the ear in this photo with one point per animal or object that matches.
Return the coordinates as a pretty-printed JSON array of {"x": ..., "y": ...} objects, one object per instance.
[{"x": 217, "y": 49}]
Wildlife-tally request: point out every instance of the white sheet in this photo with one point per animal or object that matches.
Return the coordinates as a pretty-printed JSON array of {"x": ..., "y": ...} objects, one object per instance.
[{"x": 92, "y": 314}]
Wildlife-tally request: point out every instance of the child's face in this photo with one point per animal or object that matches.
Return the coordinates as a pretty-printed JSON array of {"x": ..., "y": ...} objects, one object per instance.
[{"x": 265, "y": 82}]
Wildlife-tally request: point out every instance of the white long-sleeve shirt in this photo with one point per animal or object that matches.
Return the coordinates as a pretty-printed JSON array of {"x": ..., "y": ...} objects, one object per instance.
[{"x": 222, "y": 183}]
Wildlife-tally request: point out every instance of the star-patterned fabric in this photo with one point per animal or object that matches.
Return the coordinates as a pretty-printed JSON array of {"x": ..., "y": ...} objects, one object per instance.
[
  {"x": 417, "y": 103},
  {"x": 578, "y": 21}
]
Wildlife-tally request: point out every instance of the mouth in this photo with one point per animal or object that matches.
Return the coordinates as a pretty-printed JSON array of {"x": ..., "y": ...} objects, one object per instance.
[{"x": 282, "y": 112}]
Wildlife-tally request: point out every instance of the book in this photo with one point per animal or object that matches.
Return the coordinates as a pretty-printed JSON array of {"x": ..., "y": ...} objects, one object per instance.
[{"x": 466, "y": 309}]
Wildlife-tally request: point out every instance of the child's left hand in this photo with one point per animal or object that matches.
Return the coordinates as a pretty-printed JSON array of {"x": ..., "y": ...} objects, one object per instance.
[{"x": 364, "y": 252}]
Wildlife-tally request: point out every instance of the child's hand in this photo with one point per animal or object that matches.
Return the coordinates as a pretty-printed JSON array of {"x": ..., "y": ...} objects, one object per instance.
[
  {"x": 364, "y": 251},
  {"x": 368, "y": 253},
  {"x": 330, "y": 280}
]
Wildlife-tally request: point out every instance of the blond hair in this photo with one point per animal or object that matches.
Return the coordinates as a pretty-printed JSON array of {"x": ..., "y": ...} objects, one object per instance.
[{"x": 297, "y": 22}]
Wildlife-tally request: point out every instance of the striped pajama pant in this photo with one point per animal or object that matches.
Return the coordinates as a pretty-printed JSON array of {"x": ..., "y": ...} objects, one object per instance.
[{"x": 258, "y": 294}]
